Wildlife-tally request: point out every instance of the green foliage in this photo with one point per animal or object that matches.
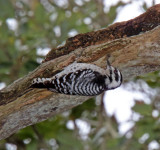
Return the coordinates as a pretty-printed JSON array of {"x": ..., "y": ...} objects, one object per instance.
[
  {"x": 152, "y": 79},
  {"x": 143, "y": 109},
  {"x": 41, "y": 25},
  {"x": 7, "y": 9}
]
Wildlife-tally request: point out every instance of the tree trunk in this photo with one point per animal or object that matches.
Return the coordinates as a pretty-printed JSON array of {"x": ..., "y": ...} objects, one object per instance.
[{"x": 134, "y": 47}]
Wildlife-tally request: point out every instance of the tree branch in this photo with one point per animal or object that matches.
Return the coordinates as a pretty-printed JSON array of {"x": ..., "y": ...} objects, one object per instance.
[
  {"x": 145, "y": 22},
  {"x": 21, "y": 106}
]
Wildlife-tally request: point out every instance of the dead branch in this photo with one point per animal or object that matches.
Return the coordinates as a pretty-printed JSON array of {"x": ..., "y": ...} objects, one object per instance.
[{"x": 135, "y": 55}]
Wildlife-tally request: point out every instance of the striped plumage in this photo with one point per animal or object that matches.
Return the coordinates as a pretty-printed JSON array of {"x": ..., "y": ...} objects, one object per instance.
[{"x": 81, "y": 79}]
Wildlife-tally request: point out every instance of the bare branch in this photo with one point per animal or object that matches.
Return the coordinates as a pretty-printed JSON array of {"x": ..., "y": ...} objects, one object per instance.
[
  {"x": 21, "y": 106},
  {"x": 145, "y": 22}
]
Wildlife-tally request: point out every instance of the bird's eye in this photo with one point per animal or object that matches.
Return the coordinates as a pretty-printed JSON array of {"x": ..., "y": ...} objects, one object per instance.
[{"x": 115, "y": 71}]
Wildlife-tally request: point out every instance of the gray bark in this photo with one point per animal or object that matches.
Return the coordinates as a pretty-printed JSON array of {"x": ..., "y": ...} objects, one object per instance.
[{"x": 21, "y": 106}]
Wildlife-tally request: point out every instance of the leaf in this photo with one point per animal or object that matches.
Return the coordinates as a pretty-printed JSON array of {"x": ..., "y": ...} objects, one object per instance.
[
  {"x": 143, "y": 109},
  {"x": 7, "y": 10},
  {"x": 66, "y": 139}
]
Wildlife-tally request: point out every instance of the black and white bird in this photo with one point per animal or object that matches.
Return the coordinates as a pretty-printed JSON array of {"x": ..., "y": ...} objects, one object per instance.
[{"x": 82, "y": 79}]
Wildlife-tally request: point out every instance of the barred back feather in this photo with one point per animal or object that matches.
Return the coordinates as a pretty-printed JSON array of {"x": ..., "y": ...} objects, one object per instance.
[{"x": 81, "y": 79}]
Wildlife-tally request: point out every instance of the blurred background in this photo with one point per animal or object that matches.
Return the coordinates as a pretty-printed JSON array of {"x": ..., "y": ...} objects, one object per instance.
[{"x": 126, "y": 119}]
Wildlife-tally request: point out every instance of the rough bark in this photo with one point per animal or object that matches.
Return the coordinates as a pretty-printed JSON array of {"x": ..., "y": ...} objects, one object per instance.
[
  {"x": 145, "y": 22},
  {"x": 133, "y": 55}
]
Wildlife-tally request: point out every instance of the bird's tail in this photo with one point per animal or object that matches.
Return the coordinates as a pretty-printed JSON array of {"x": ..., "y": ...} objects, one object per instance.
[{"x": 40, "y": 82}]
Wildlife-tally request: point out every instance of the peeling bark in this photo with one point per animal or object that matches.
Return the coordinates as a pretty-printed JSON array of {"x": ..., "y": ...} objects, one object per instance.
[
  {"x": 21, "y": 106},
  {"x": 145, "y": 22}
]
